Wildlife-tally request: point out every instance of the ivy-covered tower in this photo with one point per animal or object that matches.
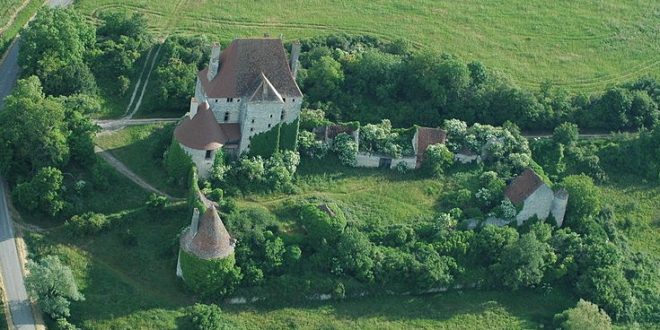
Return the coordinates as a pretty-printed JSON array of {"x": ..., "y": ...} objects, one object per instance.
[{"x": 206, "y": 256}]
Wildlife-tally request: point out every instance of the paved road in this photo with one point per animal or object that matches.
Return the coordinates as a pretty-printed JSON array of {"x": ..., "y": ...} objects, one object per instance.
[
  {"x": 12, "y": 275},
  {"x": 21, "y": 311}
]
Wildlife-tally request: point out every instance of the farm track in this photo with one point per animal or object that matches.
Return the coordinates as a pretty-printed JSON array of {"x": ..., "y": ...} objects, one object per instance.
[
  {"x": 171, "y": 28},
  {"x": 12, "y": 18}
]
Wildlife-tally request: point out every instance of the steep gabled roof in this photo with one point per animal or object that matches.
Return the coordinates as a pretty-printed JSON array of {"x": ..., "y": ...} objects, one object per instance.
[
  {"x": 212, "y": 240},
  {"x": 243, "y": 61},
  {"x": 264, "y": 91},
  {"x": 523, "y": 186}
]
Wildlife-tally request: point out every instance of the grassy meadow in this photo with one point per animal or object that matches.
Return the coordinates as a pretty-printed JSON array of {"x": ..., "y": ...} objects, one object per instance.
[
  {"x": 582, "y": 45},
  {"x": 9, "y": 29},
  {"x": 132, "y": 146}
]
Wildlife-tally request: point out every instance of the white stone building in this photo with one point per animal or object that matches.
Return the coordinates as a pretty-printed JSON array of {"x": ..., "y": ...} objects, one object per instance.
[
  {"x": 249, "y": 88},
  {"x": 536, "y": 198}
]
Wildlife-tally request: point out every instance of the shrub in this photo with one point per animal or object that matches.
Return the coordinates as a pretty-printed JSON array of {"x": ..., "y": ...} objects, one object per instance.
[
  {"x": 43, "y": 193},
  {"x": 322, "y": 228},
  {"x": 311, "y": 147},
  {"x": 437, "y": 159},
  {"x": 89, "y": 223},
  {"x": 584, "y": 316},
  {"x": 346, "y": 148},
  {"x": 156, "y": 203},
  {"x": 209, "y": 317}
]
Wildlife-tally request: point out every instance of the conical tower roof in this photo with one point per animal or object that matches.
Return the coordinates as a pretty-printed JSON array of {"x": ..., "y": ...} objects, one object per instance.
[
  {"x": 202, "y": 132},
  {"x": 211, "y": 240}
]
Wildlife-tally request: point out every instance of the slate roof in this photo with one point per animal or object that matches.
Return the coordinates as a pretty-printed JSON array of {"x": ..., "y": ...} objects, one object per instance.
[
  {"x": 427, "y": 136},
  {"x": 523, "y": 186},
  {"x": 203, "y": 132},
  {"x": 212, "y": 240},
  {"x": 241, "y": 64},
  {"x": 264, "y": 91}
]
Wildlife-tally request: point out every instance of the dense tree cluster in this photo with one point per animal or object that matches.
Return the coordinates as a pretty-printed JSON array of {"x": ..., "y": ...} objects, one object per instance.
[
  {"x": 364, "y": 79},
  {"x": 52, "y": 285}
]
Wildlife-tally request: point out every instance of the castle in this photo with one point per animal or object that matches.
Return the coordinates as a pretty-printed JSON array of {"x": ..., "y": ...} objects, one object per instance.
[{"x": 247, "y": 89}]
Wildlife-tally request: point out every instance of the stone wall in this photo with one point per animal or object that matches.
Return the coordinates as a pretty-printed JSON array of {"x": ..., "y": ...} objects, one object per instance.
[
  {"x": 538, "y": 203},
  {"x": 199, "y": 159},
  {"x": 371, "y": 160},
  {"x": 260, "y": 117}
]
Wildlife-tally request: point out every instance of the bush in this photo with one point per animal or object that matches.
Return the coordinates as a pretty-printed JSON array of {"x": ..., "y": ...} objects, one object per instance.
[
  {"x": 209, "y": 317},
  {"x": 89, "y": 223},
  {"x": 43, "y": 193},
  {"x": 346, "y": 148},
  {"x": 584, "y": 316},
  {"x": 156, "y": 203},
  {"x": 437, "y": 159},
  {"x": 322, "y": 228}
]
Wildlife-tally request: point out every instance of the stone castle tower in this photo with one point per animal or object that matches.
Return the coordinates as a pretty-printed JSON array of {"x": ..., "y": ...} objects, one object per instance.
[{"x": 247, "y": 89}]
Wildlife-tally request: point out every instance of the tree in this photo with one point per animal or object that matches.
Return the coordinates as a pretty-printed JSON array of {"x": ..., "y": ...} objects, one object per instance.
[
  {"x": 175, "y": 81},
  {"x": 52, "y": 285},
  {"x": 43, "y": 193},
  {"x": 61, "y": 34},
  {"x": 437, "y": 159},
  {"x": 89, "y": 223},
  {"x": 523, "y": 262},
  {"x": 324, "y": 79},
  {"x": 584, "y": 316},
  {"x": 566, "y": 134},
  {"x": 584, "y": 198},
  {"x": 490, "y": 242},
  {"x": 354, "y": 252},
  {"x": 33, "y": 130}
]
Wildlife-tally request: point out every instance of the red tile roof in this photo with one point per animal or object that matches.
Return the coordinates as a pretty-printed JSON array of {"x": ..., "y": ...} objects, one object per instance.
[
  {"x": 241, "y": 64},
  {"x": 212, "y": 240},
  {"x": 202, "y": 132},
  {"x": 523, "y": 186},
  {"x": 427, "y": 136}
]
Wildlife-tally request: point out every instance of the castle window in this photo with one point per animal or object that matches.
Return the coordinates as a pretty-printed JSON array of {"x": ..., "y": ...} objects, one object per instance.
[
  {"x": 294, "y": 100},
  {"x": 282, "y": 115},
  {"x": 208, "y": 154},
  {"x": 271, "y": 115},
  {"x": 251, "y": 129},
  {"x": 253, "y": 120},
  {"x": 227, "y": 116},
  {"x": 269, "y": 125},
  {"x": 284, "y": 99},
  {"x": 216, "y": 100},
  {"x": 227, "y": 99}
]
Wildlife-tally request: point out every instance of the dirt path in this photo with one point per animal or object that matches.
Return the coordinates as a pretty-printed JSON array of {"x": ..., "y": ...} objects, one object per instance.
[{"x": 119, "y": 166}]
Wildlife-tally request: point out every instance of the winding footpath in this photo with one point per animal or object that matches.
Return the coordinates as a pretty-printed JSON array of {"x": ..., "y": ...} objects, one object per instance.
[{"x": 11, "y": 268}]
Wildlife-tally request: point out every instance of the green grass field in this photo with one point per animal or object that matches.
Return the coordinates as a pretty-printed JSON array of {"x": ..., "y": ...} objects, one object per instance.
[
  {"x": 636, "y": 202},
  {"x": 9, "y": 29},
  {"x": 131, "y": 146},
  {"x": 583, "y": 45}
]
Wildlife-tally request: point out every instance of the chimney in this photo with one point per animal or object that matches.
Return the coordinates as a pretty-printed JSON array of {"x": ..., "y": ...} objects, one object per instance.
[
  {"x": 193, "y": 107},
  {"x": 194, "y": 224},
  {"x": 295, "y": 53},
  {"x": 214, "y": 62}
]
